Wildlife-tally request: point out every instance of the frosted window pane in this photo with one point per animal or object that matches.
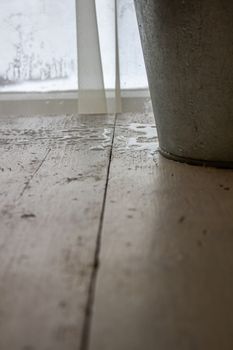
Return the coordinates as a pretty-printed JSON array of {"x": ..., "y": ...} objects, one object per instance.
[
  {"x": 132, "y": 67},
  {"x": 38, "y": 45}
]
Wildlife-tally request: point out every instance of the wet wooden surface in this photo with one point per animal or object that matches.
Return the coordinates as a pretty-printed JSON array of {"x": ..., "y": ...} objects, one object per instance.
[
  {"x": 52, "y": 182},
  {"x": 110, "y": 248},
  {"x": 165, "y": 278}
]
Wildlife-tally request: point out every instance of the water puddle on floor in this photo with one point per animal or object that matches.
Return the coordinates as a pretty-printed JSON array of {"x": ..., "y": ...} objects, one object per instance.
[
  {"x": 144, "y": 138},
  {"x": 105, "y": 138}
]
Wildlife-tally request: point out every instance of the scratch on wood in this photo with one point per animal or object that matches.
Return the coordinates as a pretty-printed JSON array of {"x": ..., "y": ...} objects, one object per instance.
[{"x": 35, "y": 172}]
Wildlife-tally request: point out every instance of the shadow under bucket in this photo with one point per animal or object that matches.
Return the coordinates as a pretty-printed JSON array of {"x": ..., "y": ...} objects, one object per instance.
[{"x": 188, "y": 51}]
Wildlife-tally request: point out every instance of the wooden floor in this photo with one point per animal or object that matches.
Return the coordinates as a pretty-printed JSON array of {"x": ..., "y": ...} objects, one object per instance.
[{"x": 105, "y": 245}]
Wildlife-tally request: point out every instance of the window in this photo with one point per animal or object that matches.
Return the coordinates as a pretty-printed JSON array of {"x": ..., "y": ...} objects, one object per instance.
[{"x": 39, "y": 51}]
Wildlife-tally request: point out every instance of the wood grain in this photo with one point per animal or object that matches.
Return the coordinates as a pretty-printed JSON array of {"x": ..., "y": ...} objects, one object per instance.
[
  {"x": 164, "y": 275},
  {"x": 165, "y": 280},
  {"x": 51, "y": 205}
]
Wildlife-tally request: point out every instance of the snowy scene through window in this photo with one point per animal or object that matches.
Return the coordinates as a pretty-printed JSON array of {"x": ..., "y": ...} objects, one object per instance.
[{"x": 39, "y": 51}]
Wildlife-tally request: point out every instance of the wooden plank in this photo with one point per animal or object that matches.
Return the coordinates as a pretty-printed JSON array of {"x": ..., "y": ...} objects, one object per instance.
[
  {"x": 165, "y": 279},
  {"x": 48, "y": 242},
  {"x": 20, "y": 156}
]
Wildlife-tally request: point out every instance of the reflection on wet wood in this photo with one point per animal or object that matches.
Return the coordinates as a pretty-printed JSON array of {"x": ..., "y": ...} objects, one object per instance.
[
  {"x": 165, "y": 277},
  {"x": 153, "y": 262}
]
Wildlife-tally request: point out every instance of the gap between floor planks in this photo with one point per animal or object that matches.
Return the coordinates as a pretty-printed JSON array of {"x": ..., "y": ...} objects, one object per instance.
[
  {"x": 165, "y": 276},
  {"x": 166, "y": 244}
]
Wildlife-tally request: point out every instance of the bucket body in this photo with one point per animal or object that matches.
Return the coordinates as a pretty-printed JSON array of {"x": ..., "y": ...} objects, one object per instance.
[{"x": 188, "y": 51}]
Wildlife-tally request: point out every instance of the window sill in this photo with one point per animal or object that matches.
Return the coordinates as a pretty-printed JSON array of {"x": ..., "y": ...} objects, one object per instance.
[{"x": 137, "y": 100}]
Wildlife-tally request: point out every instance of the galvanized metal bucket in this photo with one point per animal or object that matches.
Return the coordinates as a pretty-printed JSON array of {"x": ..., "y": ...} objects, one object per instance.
[{"x": 188, "y": 51}]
